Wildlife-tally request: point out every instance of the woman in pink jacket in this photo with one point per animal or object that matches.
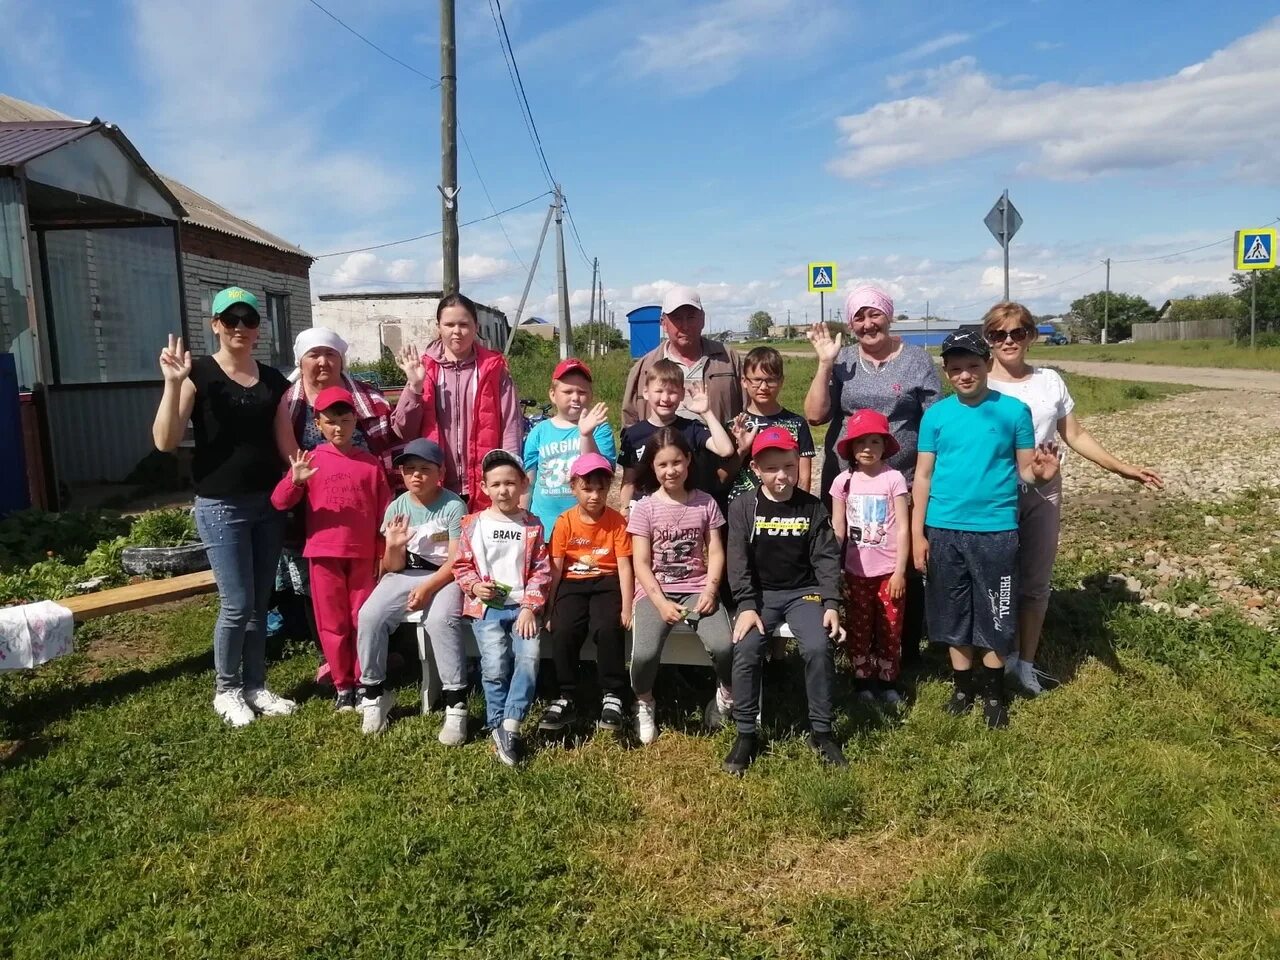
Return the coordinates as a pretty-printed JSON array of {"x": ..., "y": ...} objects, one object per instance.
[{"x": 346, "y": 494}]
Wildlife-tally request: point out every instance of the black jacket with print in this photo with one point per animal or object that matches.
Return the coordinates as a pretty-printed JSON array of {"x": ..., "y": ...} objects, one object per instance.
[{"x": 813, "y": 562}]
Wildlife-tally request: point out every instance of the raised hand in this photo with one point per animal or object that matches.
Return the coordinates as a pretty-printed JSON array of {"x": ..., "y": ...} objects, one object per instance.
[
  {"x": 175, "y": 362},
  {"x": 410, "y": 361},
  {"x": 593, "y": 419},
  {"x": 744, "y": 433},
  {"x": 695, "y": 397},
  {"x": 398, "y": 532},
  {"x": 300, "y": 468},
  {"x": 824, "y": 345}
]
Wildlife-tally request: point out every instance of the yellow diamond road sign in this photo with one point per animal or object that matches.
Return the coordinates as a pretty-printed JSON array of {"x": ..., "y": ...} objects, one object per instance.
[
  {"x": 1256, "y": 249},
  {"x": 822, "y": 277}
]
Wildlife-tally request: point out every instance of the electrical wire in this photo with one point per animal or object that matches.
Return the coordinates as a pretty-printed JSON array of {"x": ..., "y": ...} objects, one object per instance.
[
  {"x": 360, "y": 36},
  {"x": 1167, "y": 256},
  {"x": 522, "y": 99}
]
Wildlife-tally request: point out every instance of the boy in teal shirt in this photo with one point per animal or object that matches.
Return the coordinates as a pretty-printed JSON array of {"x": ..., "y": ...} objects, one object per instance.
[{"x": 974, "y": 448}]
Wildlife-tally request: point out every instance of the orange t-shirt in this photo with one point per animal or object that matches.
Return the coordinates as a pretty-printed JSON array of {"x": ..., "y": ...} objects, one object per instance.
[{"x": 590, "y": 549}]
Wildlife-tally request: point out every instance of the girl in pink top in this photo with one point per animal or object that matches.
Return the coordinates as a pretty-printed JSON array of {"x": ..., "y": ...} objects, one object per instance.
[
  {"x": 346, "y": 495},
  {"x": 869, "y": 512},
  {"x": 679, "y": 562}
]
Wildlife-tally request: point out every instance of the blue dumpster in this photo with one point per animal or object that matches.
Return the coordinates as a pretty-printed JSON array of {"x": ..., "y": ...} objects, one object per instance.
[
  {"x": 646, "y": 329},
  {"x": 13, "y": 479}
]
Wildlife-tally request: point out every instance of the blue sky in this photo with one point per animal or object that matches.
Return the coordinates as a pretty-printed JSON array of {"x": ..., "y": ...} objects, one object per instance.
[{"x": 723, "y": 143}]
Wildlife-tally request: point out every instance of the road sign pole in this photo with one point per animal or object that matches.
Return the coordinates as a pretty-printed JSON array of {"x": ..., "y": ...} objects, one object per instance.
[
  {"x": 1253, "y": 310},
  {"x": 1004, "y": 234},
  {"x": 822, "y": 306}
]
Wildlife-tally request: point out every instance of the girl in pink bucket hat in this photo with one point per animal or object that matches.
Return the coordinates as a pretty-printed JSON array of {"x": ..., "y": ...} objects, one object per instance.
[{"x": 869, "y": 513}]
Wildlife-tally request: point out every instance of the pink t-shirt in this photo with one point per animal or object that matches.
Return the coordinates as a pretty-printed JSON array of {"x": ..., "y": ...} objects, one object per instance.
[
  {"x": 678, "y": 534},
  {"x": 871, "y": 538}
]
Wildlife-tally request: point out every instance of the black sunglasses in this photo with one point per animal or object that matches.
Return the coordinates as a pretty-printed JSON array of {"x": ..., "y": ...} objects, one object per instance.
[
  {"x": 248, "y": 317},
  {"x": 1017, "y": 335}
]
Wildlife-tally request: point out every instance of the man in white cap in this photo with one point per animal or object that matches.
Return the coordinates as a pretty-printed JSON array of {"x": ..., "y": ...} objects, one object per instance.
[{"x": 707, "y": 364}]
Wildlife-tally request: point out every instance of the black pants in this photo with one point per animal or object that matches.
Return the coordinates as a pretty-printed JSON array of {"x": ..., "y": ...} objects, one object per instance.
[{"x": 583, "y": 609}]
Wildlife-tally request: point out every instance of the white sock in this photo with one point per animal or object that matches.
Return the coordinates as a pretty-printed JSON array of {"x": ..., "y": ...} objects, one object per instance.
[{"x": 511, "y": 726}]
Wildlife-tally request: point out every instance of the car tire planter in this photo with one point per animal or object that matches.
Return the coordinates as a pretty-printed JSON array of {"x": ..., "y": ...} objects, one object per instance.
[{"x": 148, "y": 561}]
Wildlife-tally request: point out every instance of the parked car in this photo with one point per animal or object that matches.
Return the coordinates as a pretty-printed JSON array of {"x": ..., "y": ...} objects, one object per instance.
[{"x": 1056, "y": 340}]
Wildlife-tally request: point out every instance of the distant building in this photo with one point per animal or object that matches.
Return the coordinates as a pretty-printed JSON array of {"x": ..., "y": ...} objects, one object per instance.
[
  {"x": 371, "y": 321},
  {"x": 540, "y": 328}
]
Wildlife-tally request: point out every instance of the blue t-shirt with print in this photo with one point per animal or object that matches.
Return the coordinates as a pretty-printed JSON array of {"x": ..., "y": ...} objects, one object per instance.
[
  {"x": 975, "y": 473},
  {"x": 551, "y": 451}
]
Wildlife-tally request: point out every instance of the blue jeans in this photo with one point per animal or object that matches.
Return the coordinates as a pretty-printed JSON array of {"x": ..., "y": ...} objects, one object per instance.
[
  {"x": 509, "y": 687},
  {"x": 243, "y": 536}
]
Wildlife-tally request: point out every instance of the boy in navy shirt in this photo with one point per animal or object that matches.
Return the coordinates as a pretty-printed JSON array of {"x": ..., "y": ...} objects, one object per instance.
[{"x": 974, "y": 448}]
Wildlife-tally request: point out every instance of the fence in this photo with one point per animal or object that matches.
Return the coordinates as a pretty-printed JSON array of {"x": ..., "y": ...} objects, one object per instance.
[{"x": 1223, "y": 329}]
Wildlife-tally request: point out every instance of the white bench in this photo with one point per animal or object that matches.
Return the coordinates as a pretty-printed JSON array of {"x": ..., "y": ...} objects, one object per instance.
[{"x": 683, "y": 648}]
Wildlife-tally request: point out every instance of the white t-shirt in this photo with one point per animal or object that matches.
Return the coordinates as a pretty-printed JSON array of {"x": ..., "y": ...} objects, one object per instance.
[
  {"x": 500, "y": 554},
  {"x": 1047, "y": 396}
]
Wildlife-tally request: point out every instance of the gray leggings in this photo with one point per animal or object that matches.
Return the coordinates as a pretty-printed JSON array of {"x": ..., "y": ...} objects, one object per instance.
[
  {"x": 649, "y": 634},
  {"x": 385, "y": 610}
]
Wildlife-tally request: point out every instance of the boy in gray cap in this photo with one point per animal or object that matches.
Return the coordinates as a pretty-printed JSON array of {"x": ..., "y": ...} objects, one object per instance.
[{"x": 422, "y": 528}]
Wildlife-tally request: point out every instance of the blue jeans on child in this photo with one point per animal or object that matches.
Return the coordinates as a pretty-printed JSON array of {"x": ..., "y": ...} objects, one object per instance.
[
  {"x": 243, "y": 536},
  {"x": 509, "y": 687}
]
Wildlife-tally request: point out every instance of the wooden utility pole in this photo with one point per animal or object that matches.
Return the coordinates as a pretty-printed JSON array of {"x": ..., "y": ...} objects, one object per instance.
[{"x": 448, "y": 147}]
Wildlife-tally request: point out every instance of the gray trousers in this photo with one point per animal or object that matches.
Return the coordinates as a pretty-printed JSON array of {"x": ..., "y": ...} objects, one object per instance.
[
  {"x": 649, "y": 634},
  {"x": 385, "y": 610}
]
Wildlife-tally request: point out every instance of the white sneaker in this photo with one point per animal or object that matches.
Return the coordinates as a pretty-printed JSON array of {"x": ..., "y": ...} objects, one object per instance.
[
  {"x": 454, "y": 731},
  {"x": 1027, "y": 677},
  {"x": 376, "y": 711},
  {"x": 646, "y": 722},
  {"x": 268, "y": 704},
  {"x": 230, "y": 706}
]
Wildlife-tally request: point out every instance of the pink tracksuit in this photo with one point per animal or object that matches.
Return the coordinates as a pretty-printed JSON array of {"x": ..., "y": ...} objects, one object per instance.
[{"x": 345, "y": 502}]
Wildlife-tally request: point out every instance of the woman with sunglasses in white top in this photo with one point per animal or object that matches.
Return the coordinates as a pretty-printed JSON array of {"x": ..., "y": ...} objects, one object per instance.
[{"x": 1010, "y": 329}]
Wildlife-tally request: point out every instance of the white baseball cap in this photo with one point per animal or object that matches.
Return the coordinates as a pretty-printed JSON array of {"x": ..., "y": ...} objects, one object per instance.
[{"x": 680, "y": 296}]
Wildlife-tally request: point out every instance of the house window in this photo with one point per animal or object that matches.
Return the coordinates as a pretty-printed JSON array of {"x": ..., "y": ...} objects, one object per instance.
[
  {"x": 278, "y": 322},
  {"x": 113, "y": 298}
]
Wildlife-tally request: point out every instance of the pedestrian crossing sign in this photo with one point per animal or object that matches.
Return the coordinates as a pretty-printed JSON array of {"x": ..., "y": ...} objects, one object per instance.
[
  {"x": 822, "y": 277},
  {"x": 1256, "y": 249}
]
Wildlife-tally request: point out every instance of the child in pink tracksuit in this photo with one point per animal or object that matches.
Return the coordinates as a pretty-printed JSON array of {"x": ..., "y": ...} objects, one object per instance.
[{"x": 346, "y": 494}]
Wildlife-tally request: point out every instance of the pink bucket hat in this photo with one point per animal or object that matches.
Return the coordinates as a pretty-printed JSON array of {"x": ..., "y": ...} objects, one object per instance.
[{"x": 867, "y": 296}]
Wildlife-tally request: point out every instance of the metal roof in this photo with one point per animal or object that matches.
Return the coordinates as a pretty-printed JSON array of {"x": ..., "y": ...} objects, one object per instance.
[{"x": 28, "y": 130}]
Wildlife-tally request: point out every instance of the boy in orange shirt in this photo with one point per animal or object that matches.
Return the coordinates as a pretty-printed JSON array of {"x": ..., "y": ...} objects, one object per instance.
[{"x": 592, "y": 592}]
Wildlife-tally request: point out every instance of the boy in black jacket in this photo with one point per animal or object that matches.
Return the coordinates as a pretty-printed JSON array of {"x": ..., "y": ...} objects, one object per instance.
[{"x": 784, "y": 566}]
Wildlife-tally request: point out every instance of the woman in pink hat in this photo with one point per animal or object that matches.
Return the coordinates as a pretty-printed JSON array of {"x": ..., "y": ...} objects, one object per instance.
[
  {"x": 880, "y": 372},
  {"x": 1010, "y": 329}
]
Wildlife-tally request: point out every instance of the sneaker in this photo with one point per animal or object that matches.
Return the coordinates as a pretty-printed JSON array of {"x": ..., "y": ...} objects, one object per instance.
[
  {"x": 268, "y": 704},
  {"x": 1028, "y": 679},
  {"x": 454, "y": 731},
  {"x": 646, "y": 722},
  {"x": 718, "y": 712},
  {"x": 323, "y": 677},
  {"x": 995, "y": 712},
  {"x": 611, "y": 716},
  {"x": 558, "y": 717},
  {"x": 890, "y": 697},
  {"x": 740, "y": 757},
  {"x": 376, "y": 710},
  {"x": 344, "y": 701},
  {"x": 866, "y": 696},
  {"x": 827, "y": 749},
  {"x": 230, "y": 706},
  {"x": 506, "y": 744},
  {"x": 961, "y": 701}
]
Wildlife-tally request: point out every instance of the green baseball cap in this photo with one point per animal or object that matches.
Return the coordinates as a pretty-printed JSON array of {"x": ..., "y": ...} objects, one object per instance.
[{"x": 225, "y": 299}]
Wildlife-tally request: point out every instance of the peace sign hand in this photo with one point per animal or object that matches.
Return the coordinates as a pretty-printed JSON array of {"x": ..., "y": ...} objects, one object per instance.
[
  {"x": 826, "y": 346},
  {"x": 300, "y": 468},
  {"x": 175, "y": 363}
]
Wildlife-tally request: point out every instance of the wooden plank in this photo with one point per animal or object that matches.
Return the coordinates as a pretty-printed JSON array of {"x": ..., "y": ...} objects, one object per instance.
[{"x": 137, "y": 595}]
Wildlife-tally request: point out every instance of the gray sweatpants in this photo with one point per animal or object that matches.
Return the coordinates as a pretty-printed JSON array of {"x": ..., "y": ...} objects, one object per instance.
[
  {"x": 385, "y": 610},
  {"x": 649, "y": 634}
]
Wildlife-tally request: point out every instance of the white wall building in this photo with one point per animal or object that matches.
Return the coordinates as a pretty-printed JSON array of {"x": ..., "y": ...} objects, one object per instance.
[{"x": 371, "y": 321}]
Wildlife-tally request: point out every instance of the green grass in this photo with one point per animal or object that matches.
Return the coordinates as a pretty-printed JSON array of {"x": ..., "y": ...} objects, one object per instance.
[
  {"x": 1131, "y": 813},
  {"x": 1178, "y": 353}
]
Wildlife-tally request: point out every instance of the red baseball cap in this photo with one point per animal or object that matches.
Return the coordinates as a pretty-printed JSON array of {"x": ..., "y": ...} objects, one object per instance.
[
  {"x": 773, "y": 438},
  {"x": 864, "y": 423},
  {"x": 333, "y": 395},
  {"x": 570, "y": 365}
]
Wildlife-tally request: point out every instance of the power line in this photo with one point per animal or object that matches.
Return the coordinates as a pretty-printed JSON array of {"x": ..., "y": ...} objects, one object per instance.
[
  {"x": 577, "y": 238},
  {"x": 1206, "y": 246},
  {"x": 360, "y": 36},
  {"x": 434, "y": 233},
  {"x": 522, "y": 99}
]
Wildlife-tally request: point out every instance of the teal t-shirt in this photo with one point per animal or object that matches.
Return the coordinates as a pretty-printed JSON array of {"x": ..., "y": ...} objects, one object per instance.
[
  {"x": 430, "y": 528},
  {"x": 551, "y": 451},
  {"x": 975, "y": 473}
]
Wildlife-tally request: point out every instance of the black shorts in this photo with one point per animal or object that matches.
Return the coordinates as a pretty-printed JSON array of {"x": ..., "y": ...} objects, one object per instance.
[{"x": 971, "y": 589}]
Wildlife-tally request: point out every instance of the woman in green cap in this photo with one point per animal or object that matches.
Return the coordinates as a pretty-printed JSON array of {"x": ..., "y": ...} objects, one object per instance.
[{"x": 231, "y": 401}]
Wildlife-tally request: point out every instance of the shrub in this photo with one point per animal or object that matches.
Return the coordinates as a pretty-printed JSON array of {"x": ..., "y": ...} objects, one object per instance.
[
  {"x": 163, "y": 528},
  {"x": 29, "y": 536}
]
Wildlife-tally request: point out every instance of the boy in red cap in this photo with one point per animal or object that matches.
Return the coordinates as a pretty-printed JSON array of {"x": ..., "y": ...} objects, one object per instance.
[
  {"x": 784, "y": 567},
  {"x": 578, "y": 427},
  {"x": 346, "y": 495},
  {"x": 591, "y": 596},
  {"x": 870, "y": 513}
]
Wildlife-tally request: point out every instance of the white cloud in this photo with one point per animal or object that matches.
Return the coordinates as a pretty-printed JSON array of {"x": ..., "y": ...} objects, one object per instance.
[
  {"x": 930, "y": 47},
  {"x": 1225, "y": 108},
  {"x": 708, "y": 44}
]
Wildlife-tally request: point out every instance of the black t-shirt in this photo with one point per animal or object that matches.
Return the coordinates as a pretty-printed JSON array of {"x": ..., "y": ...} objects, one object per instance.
[
  {"x": 234, "y": 430},
  {"x": 704, "y": 478},
  {"x": 780, "y": 543}
]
